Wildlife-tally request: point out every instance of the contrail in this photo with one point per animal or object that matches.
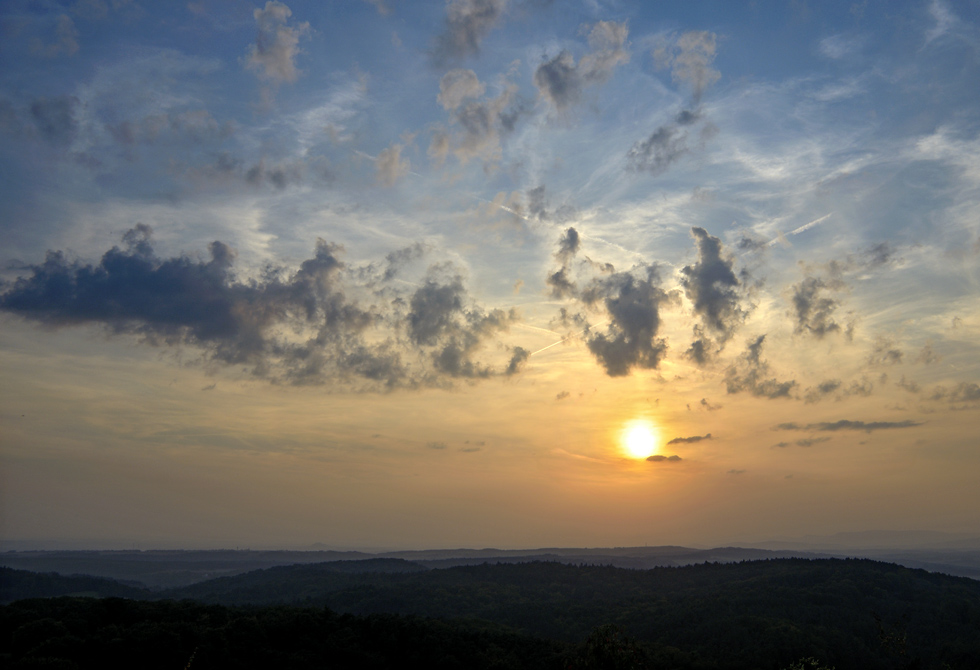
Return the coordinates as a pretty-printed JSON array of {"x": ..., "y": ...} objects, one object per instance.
[
  {"x": 804, "y": 227},
  {"x": 564, "y": 339},
  {"x": 543, "y": 330}
]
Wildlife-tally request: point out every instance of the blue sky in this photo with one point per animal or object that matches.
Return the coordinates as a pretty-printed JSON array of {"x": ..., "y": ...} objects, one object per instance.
[{"x": 442, "y": 255}]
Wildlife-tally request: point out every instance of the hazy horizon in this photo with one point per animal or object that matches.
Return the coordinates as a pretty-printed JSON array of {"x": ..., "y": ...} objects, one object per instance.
[{"x": 488, "y": 273}]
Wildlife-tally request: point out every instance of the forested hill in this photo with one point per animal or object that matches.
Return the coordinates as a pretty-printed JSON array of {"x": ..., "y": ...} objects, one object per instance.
[
  {"x": 760, "y": 614},
  {"x": 857, "y": 613}
]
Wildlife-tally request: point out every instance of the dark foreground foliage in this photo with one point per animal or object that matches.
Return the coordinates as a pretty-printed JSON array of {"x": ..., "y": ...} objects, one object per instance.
[{"x": 115, "y": 633}]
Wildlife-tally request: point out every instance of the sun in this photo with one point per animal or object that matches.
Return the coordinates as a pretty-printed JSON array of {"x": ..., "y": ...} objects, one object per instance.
[{"x": 639, "y": 439}]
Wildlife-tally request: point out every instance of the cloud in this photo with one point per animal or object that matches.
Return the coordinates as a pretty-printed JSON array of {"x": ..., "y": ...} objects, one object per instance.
[
  {"x": 561, "y": 81},
  {"x": 562, "y": 395},
  {"x": 276, "y": 46},
  {"x": 689, "y": 59},
  {"x": 735, "y": 472},
  {"x": 839, "y": 46},
  {"x": 708, "y": 406},
  {"x": 749, "y": 373},
  {"x": 944, "y": 18},
  {"x": 813, "y": 307},
  {"x": 560, "y": 280},
  {"x": 467, "y": 23},
  {"x": 568, "y": 245},
  {"x": 927, "y": 356},
  {"x": 458, "y": 85},
  {"x": 816, "y": 393},
  {"x": 398, "y": 259},
  {"x": 658, "y": 152},
  {"x": 65, "y": 40},
  {"x": 962, "y": 392},
  {"x": 442, "y": 318},
  {"x": 884, "y": 353},
  {"x": 711, "y": 285},
  {"x": 660, "y": 458},
  {"x": 390, "y": 166},
  {"x": 690, "y": 440},
  {"x": 381, "y": 6},
  {"x": 197, "y": 125},
  {"x": 303, "y": 326},
  {"x": 845, "y": 424},
  {"x": 632, "y": 301},
  {"x": 478, "y": 124}
]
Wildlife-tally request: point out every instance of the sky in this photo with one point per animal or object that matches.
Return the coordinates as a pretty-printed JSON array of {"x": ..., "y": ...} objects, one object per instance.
[{"x": 487, "y": 273}]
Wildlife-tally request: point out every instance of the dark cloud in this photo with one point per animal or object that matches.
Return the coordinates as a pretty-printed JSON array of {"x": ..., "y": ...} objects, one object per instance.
[
  {"x": 810, "y": 441},
  {"x": 962, "y": 392},
  {"x": 332, "y": 337},
  {"x": 434, "y": 308},
  {"x": 817, "y": 393},
  {"x": 517, "y": 361},
  {"x": 909, "y": 385},
  {"x": 836, "y": 388},
  {"x": 750, "y": 243},
  {"x": 561, "y": 81},
  {"x": 54, "y": 119},
  {"x": 711, "y": 285},
  {"x": 884, "y": 353},
  {"x": 690, "y": 440},
  {"x": 398, "y": 259},
  {"x": 689, "y": 57},
  {"x": 478, "y": 123},
  {"x": 441, "y": 317},
  {"x": 687, "y": 117},
  {"x": 560, "y": 283},
  {"x": 562, "y": 395},
  {"x": 633, "y": 303},
  {"x": 560, "y": 280},
  {"x": 658, "y": 152},
  {"x": 537, "y": 204},
  {"x": 467, "y": 23},
  {"x": 436, "y": 445},
  {"x": 813, "y": 306},
  {"x": 708, "y": 406},
  {"x": 879, "y": 254},
  {"x": 568, "y": 245},
  {"x": 749, "y": 373},
  {"x": 701, "y": 347},
  {"x": 845, "y": 424},
  {"x": 735, "y": 472},
  {"x": 660, "y": 458}
]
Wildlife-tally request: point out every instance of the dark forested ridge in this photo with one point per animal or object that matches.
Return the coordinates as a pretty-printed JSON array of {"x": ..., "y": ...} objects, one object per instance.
[{"x": 759, "y": 614}]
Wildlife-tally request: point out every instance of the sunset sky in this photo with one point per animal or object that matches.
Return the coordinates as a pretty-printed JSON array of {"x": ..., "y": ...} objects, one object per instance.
[{"x": 510, "y": 273}]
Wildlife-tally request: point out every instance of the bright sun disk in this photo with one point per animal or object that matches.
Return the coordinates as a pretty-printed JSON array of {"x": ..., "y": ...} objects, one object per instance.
[{"x": 639, "y": 439}]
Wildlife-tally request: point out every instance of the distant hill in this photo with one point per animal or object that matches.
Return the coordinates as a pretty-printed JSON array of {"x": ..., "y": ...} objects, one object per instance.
[
  {"x": 20, "y": 584},
  {"x": 160, "y": 569}
]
